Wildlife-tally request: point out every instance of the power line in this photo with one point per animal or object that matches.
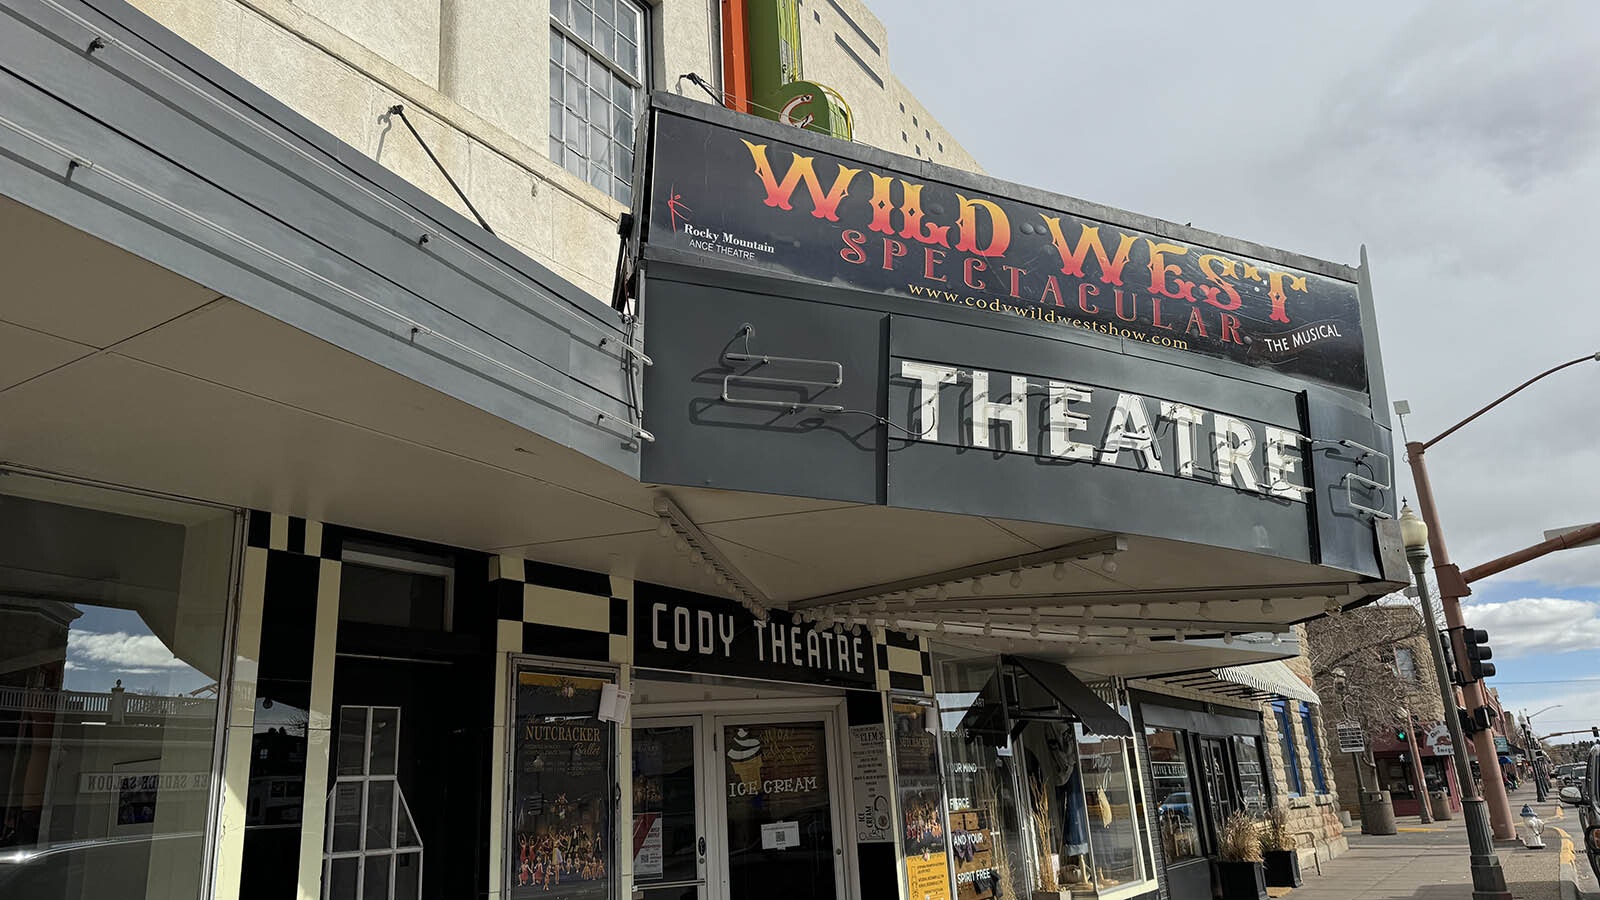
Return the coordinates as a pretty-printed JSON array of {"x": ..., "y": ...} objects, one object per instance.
[{"x": 1589, "y": 680}]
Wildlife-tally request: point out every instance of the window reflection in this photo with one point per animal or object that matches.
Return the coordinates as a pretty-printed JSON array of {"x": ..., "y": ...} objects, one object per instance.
[
  {"x": 1173, "y": 794},
  {"x": 986, "y": 830},
  {"x": 1252, "y": 777},
  {"x": 112, "y": 614},
  {"x": 1108, "y": 795}
]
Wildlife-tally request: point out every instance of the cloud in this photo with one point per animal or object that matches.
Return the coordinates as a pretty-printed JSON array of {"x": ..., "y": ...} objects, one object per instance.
[
  {"x": 1460, "y": 143},
  {"x": 1537, "y": 624},
  {"x": 118, "y": 649}
]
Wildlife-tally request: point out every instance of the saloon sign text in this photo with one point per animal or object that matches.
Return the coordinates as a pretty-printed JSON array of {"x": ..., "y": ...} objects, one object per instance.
[{"x": 1058, "y": 419}]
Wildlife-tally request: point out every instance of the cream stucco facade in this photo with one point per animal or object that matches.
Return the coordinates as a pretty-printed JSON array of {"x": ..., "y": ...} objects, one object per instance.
[{"x": 473, "y": 76}]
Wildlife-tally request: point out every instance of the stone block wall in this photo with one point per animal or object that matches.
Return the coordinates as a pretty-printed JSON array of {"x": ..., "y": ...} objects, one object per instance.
[{"x": 1314, "y": 814}]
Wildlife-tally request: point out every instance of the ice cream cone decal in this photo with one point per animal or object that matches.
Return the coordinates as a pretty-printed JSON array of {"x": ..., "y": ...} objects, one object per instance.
[{"x": 744, "y": 754}]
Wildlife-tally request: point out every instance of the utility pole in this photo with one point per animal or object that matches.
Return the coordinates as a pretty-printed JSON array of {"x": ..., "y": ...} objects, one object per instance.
[
  {"x": 1417, "y": 773},
  {"x": 1453, "y": 585}
]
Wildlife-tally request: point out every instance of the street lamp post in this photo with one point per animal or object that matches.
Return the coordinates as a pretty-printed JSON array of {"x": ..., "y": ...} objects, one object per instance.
[
  {"x": 1488, "y": 880},
  {"x": 1453, "y": 587},
  {"x": 1541, "y": 782}
]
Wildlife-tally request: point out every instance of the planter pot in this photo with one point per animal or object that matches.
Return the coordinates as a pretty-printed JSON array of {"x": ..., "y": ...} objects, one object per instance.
[
  {"x": 1241, "y": 880},
  {"x": 1282, "y": 868}
]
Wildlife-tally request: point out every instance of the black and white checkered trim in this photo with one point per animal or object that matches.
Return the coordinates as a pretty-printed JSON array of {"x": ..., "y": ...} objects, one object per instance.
[
  {"x": 292, "y": 534},
  {"x": 556, "y": 611},
  {"x": 904, "y": 662}
]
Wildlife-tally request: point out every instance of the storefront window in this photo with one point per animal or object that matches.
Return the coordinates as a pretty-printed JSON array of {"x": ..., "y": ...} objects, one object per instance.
[
  {"x": 1252, "y": 776},
  {"x": 560, "y": 835},
  {"x": 1033, "y": 795},
  {"x": 113, "y": 624},
  {"x": 1173, "y": 794},
  {"x": 1108, "y": 795},
  {"x": 1396, "y": 777},
  {"x": 980, "y": 771}
]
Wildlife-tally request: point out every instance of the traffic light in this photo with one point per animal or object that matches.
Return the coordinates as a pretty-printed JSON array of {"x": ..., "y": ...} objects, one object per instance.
[
  {"x": 1400, "y": 734},
  {"x": 1596, "y": 730},
  {"x": 1476, "y": 649},
  {"x": 1467, "y": 724},
  {"x": 1483, "y": 718},
  {"x": 1470, "y": 651}
]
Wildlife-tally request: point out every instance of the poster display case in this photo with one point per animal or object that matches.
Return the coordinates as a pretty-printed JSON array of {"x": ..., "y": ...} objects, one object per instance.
[{"x": 562, "y": 805}]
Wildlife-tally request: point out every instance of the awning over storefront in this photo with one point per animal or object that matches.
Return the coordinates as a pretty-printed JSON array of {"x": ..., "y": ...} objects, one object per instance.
[
  {"x": 1074, "y": 696},
  {"x": 1274, "y": 679},
  {"x": 1256, "y": 682}
]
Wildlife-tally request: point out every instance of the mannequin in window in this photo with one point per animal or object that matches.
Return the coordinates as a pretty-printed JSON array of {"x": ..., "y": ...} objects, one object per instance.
[{"x": 1052, "y": 758}]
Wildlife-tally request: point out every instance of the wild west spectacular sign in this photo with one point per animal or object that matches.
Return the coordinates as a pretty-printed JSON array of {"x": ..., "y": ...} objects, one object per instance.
[{"x": 791, "y": 210}]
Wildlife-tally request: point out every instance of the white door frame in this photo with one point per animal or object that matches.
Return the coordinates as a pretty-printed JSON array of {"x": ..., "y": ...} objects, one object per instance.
[
  {"x": 696, "y": 724},
  {"x": 830, "y": 711}
]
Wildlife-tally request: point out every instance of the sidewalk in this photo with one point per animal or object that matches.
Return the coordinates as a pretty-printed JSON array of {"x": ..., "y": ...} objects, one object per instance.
[{"x": 1431, "y": 862}]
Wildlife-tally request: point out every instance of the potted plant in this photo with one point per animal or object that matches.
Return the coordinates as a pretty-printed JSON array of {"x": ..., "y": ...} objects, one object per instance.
[
  {"x": 1278, "y": 854},
  {"x": 1239, "y": 870}
]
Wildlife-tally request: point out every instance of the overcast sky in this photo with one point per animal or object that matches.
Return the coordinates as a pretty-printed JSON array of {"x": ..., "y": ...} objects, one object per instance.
[{"x": 1460, "y": 142}]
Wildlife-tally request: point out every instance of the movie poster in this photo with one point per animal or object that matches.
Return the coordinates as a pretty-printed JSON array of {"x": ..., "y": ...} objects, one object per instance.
[
  {"x": 922, "y": 807},
  {"x": 561, "y": 789}
]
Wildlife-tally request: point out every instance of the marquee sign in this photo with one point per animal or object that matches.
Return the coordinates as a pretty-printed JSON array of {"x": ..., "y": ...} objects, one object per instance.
[
  {"x": 765, "y": 203},
  {"x": 1064, "y": 422},
  {"x": 686, "y": 632}
]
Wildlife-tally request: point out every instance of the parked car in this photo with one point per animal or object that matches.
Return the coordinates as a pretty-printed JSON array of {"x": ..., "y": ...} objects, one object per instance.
[
  {"x": 1177, "y": 803},
  {"x": 1582, "y": 795},
  {"x": 1568, "y": 774}
]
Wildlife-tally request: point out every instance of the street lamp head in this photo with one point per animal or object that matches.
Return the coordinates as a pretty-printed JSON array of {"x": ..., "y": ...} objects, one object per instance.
[{"x": 1413, "y": 531}]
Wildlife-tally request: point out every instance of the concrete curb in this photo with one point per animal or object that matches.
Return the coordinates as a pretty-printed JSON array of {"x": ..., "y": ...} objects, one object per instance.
[{"x": 1569, "y": 869}]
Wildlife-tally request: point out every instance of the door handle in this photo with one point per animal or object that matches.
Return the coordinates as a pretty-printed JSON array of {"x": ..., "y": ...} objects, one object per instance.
[{"x": 701, "y": 846}]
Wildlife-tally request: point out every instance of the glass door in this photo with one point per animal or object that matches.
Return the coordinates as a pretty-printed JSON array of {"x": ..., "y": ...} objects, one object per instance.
[
  {"x": 1214, "y": 771},
  {"x": 780, "y": 833},
  {"x": 669, "y": 844}
]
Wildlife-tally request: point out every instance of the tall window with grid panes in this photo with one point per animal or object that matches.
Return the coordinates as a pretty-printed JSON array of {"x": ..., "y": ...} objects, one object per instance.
[{"x": 597, "y": 86}]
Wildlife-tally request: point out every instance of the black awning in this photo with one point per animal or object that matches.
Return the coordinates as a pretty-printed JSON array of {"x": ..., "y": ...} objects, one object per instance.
[{"x": 1074, "y": 696}]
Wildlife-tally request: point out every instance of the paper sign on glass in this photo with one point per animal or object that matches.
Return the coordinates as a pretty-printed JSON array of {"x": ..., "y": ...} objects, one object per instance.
[{"x": 780, "y": 835}]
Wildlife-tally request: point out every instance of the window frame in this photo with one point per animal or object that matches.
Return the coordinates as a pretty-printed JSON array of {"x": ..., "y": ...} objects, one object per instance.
[
  {"x": 1406, "y": 671},
  {"x": 376, "y": 556},
  {"x": 638, "y": 82},
  {"x": 1319, "y": 781},
  {"x": 1291, "y": 757}
]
